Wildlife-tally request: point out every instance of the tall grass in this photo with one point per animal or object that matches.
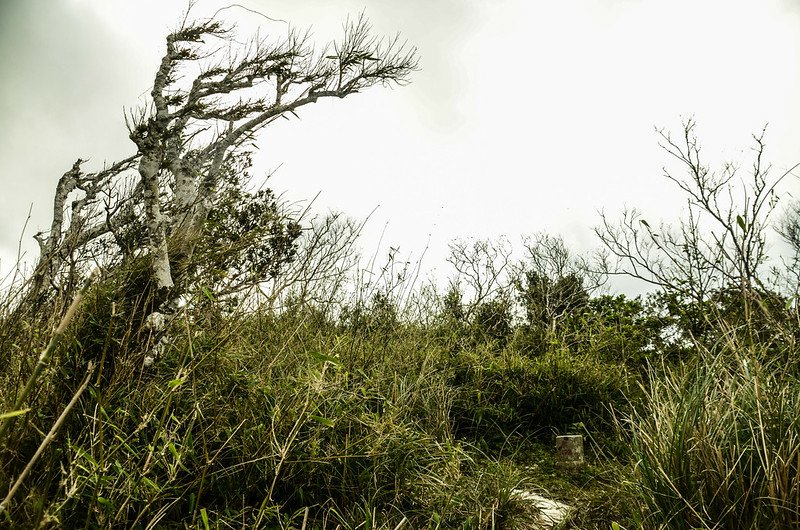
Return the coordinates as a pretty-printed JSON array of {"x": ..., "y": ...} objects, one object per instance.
[
  {"x": 266, "y": 419},
  {"x": 718, "y": 443}
]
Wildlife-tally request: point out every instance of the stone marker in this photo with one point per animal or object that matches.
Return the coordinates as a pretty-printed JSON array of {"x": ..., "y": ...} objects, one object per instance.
[{"x": 570, "y": 449}]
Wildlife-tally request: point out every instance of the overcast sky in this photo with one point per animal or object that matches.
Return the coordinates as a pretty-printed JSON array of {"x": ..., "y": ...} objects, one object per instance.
[{"x": 526, "y": 115}]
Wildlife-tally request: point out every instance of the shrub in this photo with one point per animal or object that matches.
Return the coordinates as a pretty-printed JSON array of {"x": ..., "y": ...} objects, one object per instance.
[
  {"x": 262, "y": 421},
  {"x": 541, "y": 394}
]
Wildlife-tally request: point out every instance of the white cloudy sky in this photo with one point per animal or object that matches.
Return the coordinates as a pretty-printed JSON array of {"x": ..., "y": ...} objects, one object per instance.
[{"x": 526, "y": 116}]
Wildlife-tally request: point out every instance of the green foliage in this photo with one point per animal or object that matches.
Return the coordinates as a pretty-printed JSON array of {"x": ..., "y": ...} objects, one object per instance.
[
  {"x": 492, "y": 323},
  {"x": 543, "y": 394},
  {"x": 261, "y": 421},
  {"x": 248, "y": 236},
  {"x": 760, "y": 318},
  {"x": 358, "y": 415},
  {"x": 548, "y": 303},
  {"x": 546, "y": 299},
  {"x": 451, "y": 321},
  {"x": 620, "y": 330},
  {"x": 356, "y": 412},
  {"x": 378, "y": 317}
]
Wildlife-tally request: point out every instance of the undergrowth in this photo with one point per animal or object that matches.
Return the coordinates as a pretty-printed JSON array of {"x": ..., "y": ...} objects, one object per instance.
[
  {"x": 282, "y": 419},
  {"x": 374, "y": 413}
]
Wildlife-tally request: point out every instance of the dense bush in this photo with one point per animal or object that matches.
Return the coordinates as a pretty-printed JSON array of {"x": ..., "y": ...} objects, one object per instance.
[{"x": 546, "y": 394}]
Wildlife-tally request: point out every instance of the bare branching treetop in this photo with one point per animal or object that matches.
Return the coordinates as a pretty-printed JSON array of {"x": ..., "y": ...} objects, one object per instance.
[
  {"x": 210, "y": 96},
  {"x": 721, "y": 241}
]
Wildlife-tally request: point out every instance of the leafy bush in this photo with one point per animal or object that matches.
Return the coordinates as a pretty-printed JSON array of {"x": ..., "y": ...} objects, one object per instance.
[
  {"x": 492, "y": 323},
  {"x": 618, "y": 329},
  {"x": 541, "y": 394}
]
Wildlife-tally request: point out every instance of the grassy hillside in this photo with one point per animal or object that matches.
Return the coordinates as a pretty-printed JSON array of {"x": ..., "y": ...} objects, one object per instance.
[{"x": 368, "y": 410}]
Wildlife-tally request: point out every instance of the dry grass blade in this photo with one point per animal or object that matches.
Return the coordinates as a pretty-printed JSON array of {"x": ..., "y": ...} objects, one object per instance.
[{"x": 47, "y": 439}]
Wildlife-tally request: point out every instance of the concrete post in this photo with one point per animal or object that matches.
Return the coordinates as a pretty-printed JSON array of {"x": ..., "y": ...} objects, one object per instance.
[{"x": 570, "y": 449}]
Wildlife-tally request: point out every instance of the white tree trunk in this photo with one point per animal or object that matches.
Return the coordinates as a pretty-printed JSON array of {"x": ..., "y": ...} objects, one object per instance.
[{"x": 156, "y": 223}]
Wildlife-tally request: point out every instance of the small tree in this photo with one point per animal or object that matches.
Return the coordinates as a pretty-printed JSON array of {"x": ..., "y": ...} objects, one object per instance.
[
  {"x": 476, "y": 308},
  {"x": 551, "y": 284},
  {"x": 481, "y": 272}
]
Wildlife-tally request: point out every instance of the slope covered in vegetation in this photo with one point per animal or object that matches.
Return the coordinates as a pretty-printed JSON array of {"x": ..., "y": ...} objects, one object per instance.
[{"x": 232, "y": 364}]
